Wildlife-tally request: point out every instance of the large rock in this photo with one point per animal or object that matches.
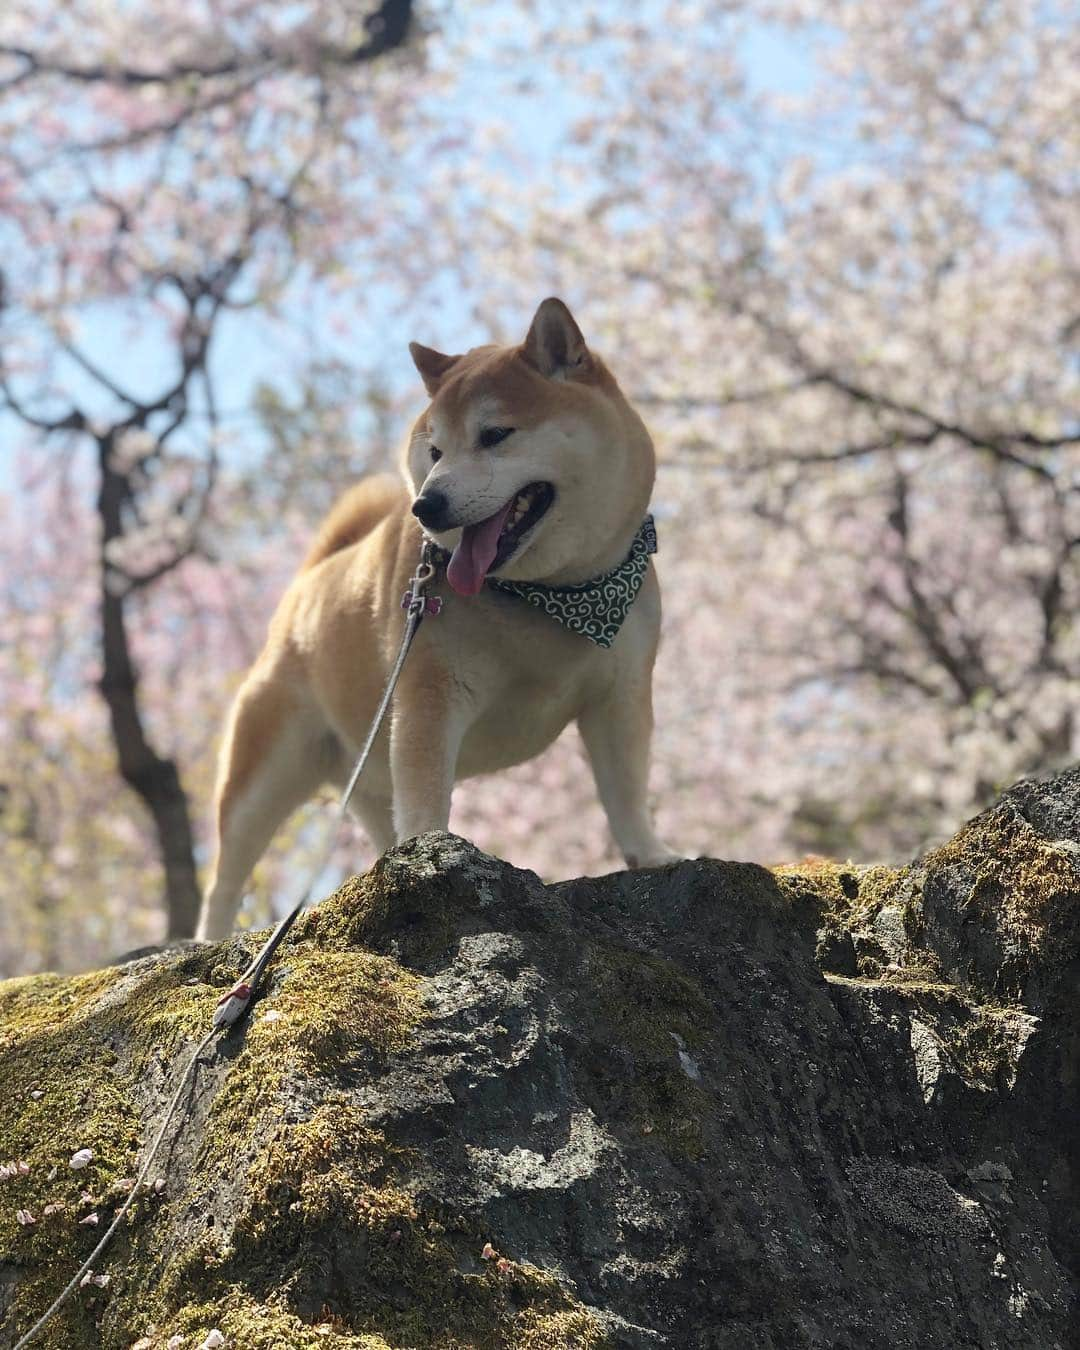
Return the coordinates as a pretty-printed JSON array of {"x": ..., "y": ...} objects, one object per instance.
[{"x": 710, "y": 1106}]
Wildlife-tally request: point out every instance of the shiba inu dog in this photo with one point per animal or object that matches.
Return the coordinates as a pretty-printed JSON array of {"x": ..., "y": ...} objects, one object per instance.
[{"x": 532, "y": 471}]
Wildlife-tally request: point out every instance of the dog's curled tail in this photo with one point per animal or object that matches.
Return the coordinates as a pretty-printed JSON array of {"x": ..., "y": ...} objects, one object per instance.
[{"x": 353, "y": 515}]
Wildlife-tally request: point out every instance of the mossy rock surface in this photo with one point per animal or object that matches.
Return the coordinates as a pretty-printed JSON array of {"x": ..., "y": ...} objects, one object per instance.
[{"x": 708, "y": 1106}]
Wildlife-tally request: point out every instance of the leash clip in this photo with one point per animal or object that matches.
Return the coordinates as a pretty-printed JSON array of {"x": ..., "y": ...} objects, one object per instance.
[
  {"x": 231, "y": 1006},
  {"x": 414, "y": 599},
  {"x": 431, "y": 604}
]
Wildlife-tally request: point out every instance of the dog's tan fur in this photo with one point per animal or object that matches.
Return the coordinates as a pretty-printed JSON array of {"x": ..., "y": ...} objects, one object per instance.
[{"x": 489, "y": 683}]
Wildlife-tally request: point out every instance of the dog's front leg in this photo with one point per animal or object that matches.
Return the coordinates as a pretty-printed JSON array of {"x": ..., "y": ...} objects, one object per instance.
[
  {"x": 425, "y": 736},
  {"x": 616, "y": 730}
]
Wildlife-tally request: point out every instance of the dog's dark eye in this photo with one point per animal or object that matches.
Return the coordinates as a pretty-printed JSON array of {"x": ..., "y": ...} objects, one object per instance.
[
  {"x": 436, "y": 455},
  {"x": 493, "y": 435}
]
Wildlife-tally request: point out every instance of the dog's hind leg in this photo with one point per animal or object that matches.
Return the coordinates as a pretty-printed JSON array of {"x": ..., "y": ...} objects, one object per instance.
[{"x": 274, "y": 758}]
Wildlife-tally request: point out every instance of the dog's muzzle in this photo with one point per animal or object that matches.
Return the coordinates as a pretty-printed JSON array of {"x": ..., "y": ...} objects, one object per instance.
[{"x": 431, "y": 508}]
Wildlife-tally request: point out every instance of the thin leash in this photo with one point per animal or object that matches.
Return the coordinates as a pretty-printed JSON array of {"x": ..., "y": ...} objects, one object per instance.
[
  {"x": 140, "y": 1180},
  {"x": 417, "y": 604},
  {"x": 232, "y": 1006}
]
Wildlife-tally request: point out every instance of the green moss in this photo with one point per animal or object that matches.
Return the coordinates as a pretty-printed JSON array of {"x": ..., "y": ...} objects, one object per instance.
[
  {"x": 1024, "y": 884},
  {"x": 71, "y": 1051},
  {"x": 982, "y": 1040},
  {"x": 997, "y": 868},
  {"x": 845, "y": 894},
  {"x": 328, "y": 1006},
  {"x": 247, "y": 1323},
  {"x": 847, "y": 899},
  {"x": 557, "y": 1331},
  {"x": 918, "y": 978},
  {"x": 363, "y": 911},
  {"x": 650, "y": 1010},
  {"x": 830, "y": 886},
  {"x": 329, "y": 1168},
  {"x": 360, "y": 907},
  {"x": 34, "y": 1003},
  {"x": 65, "y": 1088},
  {"x": 985, "y": 1049},
  {"x": 331, "y": 1193},
  {"x": 325, "y": 1188}
]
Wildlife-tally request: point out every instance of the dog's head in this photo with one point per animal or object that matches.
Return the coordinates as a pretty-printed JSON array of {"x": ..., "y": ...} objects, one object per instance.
[{"x": 529, "y": 463}]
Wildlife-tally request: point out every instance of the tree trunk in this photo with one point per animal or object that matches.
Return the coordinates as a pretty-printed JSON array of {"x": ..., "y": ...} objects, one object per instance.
[{"x": 156, "y": 780}]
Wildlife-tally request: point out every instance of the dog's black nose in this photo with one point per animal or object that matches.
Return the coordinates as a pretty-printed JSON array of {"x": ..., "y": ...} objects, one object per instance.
[{"x": 430, "y": 509}]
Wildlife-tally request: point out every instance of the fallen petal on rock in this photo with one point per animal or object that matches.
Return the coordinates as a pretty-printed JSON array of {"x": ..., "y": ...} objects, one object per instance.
[
  {"x": 90, "y": 1218},
  {"x": 81, "y": 1159}
]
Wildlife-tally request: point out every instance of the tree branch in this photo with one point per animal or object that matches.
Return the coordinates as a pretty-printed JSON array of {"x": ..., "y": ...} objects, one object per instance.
[
  {"x": 967, "y": 672},
  {"x": 155, "y": 779},
  {"x": 386, "y": 28}
]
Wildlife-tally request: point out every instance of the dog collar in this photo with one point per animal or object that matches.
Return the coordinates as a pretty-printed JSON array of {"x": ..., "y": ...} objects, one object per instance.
[{"x": 596, "y": 609}]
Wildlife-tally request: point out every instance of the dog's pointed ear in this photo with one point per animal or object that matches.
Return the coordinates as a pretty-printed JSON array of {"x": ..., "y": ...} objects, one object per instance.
[
  {"x": 554, "y": 344},
  {"x": 432, "y": 365}
]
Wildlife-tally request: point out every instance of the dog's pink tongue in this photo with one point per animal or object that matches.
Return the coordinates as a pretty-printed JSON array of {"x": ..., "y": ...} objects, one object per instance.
[{"x": 475, "y": 552}]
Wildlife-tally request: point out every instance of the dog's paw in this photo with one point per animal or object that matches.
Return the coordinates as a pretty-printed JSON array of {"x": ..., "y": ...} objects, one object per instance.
[{"x": 657, "y": 857}]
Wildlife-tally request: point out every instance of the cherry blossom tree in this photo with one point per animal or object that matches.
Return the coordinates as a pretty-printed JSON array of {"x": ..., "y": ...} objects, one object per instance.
[
  {"x": 170, "y": 166},
  {"x": 848, "y": 307},
  {"x": 852, "y": 316}
]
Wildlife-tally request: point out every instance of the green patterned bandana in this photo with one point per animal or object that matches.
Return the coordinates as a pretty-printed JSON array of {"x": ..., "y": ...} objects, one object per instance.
[{"x": 597, "y": 609}]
